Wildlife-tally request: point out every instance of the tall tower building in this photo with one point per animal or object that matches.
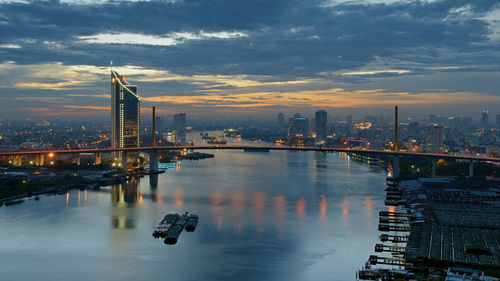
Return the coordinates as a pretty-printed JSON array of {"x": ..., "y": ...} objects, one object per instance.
[
  {"x": 180, "y": 127},
  {"x": 298, "y": 129},
  {"x": 125, "y": 112},
  {"x": 434, "y": 139},
  {"x": 498, "y": 121},
  {"x": 281, "y": 120},
  {"x": 321, "y": 123},
  {"x": 485, "y": 120}
]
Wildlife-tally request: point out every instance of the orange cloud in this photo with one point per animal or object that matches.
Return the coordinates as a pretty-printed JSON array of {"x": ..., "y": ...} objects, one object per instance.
[{"x": 334, "y": 98}]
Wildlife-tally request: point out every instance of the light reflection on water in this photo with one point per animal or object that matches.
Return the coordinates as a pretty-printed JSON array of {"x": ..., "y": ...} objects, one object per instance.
[{"x": 263, "y": 216}]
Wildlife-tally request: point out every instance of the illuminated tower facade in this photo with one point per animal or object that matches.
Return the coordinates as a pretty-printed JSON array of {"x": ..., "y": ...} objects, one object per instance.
[
  {"x": 485, "y": 120},
  {"x": 125, "y": 112}
]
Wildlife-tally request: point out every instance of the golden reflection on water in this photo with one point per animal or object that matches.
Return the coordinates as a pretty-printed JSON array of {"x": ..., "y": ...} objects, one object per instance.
[
  {"x": 259, "y": 201},
  {"x": 345, "y": 206},
  {"x": 259, "y": 205},
  {"x": 217, "y": 197},
  {"x": 78, "y": 197},
  {"x": 178, "y": 197},
  {"x": 301, "y": 207},
  {"x": 67, "y": 198},
  {"x": 323, "y": 204},
  {"x": 85, "y": 197},
  {"x": 238, "y": 200},
  {"x": 280, "y": 207},
  {"x": 368, "y": 206}
]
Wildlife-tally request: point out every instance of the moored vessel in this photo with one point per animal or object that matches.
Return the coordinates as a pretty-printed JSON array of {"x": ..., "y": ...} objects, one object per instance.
[
  {"x": 191, "y": 223},
  {"x": 175, "y": 232},
  {"x": 165, "y": 225}
]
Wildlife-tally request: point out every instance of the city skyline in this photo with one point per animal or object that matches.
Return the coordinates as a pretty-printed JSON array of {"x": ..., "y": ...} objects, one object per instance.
[{"x": 429, "y": 57}]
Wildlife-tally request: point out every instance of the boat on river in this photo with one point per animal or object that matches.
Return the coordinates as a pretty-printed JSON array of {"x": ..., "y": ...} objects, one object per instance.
[
  {"x": 175, "y": 232},
  {"x": 191, "y": 223},
  {"x": 165, "y": 225}
]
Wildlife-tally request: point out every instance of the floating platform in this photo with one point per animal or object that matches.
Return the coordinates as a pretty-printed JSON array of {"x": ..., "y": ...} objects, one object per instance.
[
  {"x": 165, "y": 225},
  {"x": 191, "y": 223},
  {"x": 175, "y": 232}
]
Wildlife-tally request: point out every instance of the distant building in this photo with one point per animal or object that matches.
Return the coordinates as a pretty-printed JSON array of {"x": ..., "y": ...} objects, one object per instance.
[
  {"x": 433, "y": 119},
  {"x": 298, "y": 129},
  {"x": 159, "y": 124},
  {"x": 466, "y": 123},
  {"x": 348, "y": 118},
  {"x": 321, "y": 125},
  {"x": 281, "y": 120},
  {"x": 180, "y": 128},
  {"x": 125, "y": 112},
  {"x": 414, "y": 129},
  {"x": 434, "y": 139},
  {"x": 375, "y": 138},
  {"x": 498, "y": 121},
  {"x": 485, "y": 120},
  {"x": 455, "y": 122}
]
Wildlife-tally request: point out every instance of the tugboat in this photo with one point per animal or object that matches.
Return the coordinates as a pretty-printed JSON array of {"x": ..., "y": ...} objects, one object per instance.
[
  {"x": 165, "y": 225},
  {"x": 175, "y": 232},
  {"x": 191, "y": 223}
]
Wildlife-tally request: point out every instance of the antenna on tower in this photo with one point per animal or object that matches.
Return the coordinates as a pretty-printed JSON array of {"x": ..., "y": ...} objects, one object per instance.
[{"x": 111, "y": 63}]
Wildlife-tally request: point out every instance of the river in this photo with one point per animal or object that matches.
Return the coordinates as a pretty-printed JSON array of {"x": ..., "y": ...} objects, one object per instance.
[{"x": 263, "y": 216}]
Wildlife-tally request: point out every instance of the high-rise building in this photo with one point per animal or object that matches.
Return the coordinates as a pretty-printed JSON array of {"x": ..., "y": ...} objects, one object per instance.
[
  {"x": 281, "y": 120},
  {"x": 485, "y": 120},
  {"x": 434, "y": 139},
  {"x": 180, "y": 128},
  {"x": 321, "y": 125},
  {"x": 348, "y": 118},
  {"x": 498, "y": 121},
  {"x": 298, "y": 129},
  {"x": 125, "y": 112},
  {"x": 159, "y": 124}
]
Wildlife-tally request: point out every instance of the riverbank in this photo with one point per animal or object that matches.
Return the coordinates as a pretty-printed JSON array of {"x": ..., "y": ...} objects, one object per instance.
[{"x": 16, "y": 184}]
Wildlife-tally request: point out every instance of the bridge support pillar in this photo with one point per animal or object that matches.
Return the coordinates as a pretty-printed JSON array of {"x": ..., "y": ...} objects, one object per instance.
[
  {"x": 39, "y": 160},
  {"x": 395, "y": 167},
  {"x": 124, "y": 160},
  {"x": 76, "y": 159},
  {"x": 471, "y": 169},
  {"x": 98, "y": 160},
  {"x": 433, "y": 168},
  {"x": 153, "y": 161}
]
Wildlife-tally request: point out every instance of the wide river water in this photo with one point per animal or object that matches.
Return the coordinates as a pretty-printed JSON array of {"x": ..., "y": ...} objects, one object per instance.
[{"x": 263, "y": 216}]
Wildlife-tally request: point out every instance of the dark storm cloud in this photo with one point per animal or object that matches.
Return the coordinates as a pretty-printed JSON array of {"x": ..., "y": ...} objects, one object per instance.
[{"x": 284, "y": 37}]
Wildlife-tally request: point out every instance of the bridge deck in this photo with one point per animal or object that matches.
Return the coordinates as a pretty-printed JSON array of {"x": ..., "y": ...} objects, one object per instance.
[{"x": 237, "y": 147}]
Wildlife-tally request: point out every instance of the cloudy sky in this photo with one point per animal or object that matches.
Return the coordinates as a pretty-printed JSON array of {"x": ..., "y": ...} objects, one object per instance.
[{"x": 255, "y": 57}]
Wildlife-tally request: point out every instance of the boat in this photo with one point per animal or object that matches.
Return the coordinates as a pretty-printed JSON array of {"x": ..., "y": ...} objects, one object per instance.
[
  {"x": 175, "y": 232},
  {"x": 165, "y": 225},
  {"x": 191, "y": 223}
]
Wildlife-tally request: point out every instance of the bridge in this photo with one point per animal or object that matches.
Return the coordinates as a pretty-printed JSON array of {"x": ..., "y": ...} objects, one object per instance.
[{"x": 15, "y": 156}]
